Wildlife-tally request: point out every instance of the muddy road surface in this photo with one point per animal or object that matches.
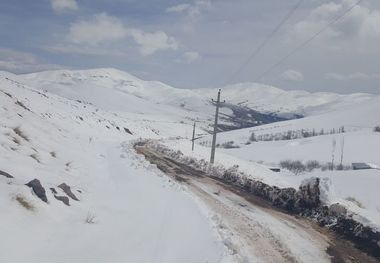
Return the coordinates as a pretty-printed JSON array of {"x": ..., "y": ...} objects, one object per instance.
[{"x": 250, "y": 227}]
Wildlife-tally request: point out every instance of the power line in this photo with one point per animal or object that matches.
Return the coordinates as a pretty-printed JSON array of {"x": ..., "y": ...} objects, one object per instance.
[
  {"x": 308, "y": 41},
  {"x": 266, "y": 41}
]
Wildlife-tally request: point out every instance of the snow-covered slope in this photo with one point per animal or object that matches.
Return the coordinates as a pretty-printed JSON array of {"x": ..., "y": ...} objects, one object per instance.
[
  {"x": 358, "y": 143},
  {"x": 271, "y": 99},
  {"x": 76, "y": 127},
  {"x": 109, "y": 89},
  {"x": 124, "y": 206},
  {"x": 119, "y": 91}
]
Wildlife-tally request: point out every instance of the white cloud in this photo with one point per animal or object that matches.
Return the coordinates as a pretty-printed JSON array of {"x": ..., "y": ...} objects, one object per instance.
[
  {"x": 193, "y": 11},
  {"x": 292, "y": 75},
  {"x": 84, "y": 50},
  {"x": 196, "y": 9},
  {"x": 60, "y": 6},
  {"x": 22, "y": 62},
  {"x": 178, "y": 8},
  {"x": 105, "y": 29},
  {"x": 358, "y": 30},
  {"x": 353, "y": 76},
  {"x": 101, "y": 28},
  {"x": 190, "y": 57},
  {"x": 151, "y": 42}
]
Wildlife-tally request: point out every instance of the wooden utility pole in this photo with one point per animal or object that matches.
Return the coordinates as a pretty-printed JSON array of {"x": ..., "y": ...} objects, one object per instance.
[
  {"x": 193, "y": 139},
  {"x": 212, "y": 158}
]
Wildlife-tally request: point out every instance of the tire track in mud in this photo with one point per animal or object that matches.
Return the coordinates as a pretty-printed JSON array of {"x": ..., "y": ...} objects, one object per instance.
[{"x": 256, "y": 232}]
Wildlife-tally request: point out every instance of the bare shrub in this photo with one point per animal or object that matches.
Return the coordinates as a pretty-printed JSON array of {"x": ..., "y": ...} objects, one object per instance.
[
  {"x": 16, "y": 140},
  {"x": 252, "y": 137},
  {"x": 229, "y": 145},
  {"x": 35, "y": 157},
  {"x": 24, "y": 203},
  {"x": 355, "y": 201},
  {"x": 312, "y": 165},
  {"x": 90, "y": 218},
  {"x": 20, "y": 133},
  {"x": 19, "y": 103},
  {"x": 53, "y": 154},
  {"x": 9, "y": 95},
  {"x": 328, "y": 166},
  {"x": 376, "y": 129},
  {"x": 295, "y": 166},
  {"x": 342, "y": 167}
]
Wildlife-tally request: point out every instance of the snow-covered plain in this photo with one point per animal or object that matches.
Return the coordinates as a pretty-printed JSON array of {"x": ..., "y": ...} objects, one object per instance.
[{"x": 75, "y": 128}]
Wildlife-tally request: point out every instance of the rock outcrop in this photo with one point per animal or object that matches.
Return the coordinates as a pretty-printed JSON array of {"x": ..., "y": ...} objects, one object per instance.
[
  {"x": 67, "y": 189},
  {"x": 37, "y": 188},
  {"x": 63, "y": 199},
  {"x": 7, "y": 175}
]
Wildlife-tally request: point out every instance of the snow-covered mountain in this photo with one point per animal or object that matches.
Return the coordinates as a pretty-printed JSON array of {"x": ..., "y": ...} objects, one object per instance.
[
  {"x": 76, "y": 129},
  {"x": 247, "y": 104}
]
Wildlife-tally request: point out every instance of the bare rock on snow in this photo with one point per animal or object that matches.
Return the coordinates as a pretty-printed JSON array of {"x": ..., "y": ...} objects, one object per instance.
[
  {"x": 7, "y": 175},
  {"x": 308, "y": 194},
  {"x": 37, "y": 188},
  {"x": 284, "y": 198},
  {"x": 337, "y": 210},
  {"x": 63, "y": 199},
  {"x": 127, "y": 131},
  {"x": 67, "y": 189}
]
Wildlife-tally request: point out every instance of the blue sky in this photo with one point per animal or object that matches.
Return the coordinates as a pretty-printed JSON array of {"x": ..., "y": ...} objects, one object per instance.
[{"x": 197, "y": 43}]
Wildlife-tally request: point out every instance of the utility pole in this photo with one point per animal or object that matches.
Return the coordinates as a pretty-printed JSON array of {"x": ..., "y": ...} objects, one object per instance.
[
  {"x": 193, "y": 139},
  {"x": 212, "y": 158}
]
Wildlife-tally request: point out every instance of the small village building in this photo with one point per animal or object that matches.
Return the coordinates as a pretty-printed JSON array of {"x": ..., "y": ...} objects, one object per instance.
[{"x": 361, "y": 166}]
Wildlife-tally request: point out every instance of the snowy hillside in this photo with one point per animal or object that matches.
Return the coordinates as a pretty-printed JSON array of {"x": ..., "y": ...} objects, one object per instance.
[
  {"x": 100, "y": 202},
  {"x": 345, "y": 135},
  {"x": 243, "y": 101},
  {"x": 72, "y": 133}
]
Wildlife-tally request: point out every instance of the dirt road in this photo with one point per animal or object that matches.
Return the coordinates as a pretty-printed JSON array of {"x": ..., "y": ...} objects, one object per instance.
[{"x": 252, "y": 229}]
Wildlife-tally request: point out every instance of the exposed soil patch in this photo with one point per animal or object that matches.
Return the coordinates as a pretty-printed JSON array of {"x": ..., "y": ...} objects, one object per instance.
[{"x": 24, "y": 203}]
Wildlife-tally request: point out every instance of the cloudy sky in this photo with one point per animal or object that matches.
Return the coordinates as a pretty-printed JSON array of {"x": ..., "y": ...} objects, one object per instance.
[{"x": 198, "y": 43}]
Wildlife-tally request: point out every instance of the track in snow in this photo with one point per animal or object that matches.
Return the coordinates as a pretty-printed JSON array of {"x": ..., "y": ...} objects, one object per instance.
[{"x": 250, "y": 227}]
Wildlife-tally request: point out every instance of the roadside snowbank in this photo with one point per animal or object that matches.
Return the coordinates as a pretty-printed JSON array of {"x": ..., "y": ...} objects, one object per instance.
[{"x": 356, "y": 190}]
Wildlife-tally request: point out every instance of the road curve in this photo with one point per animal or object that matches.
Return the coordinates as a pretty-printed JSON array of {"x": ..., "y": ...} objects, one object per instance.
[{"x": 252, "y": 229}]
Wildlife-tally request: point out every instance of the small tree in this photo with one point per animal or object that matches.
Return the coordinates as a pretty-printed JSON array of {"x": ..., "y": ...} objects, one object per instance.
[
  {"x": 341, "y": 154},
  {"x": 288, "y": 136},
  {"x": 376, "y": 129},
  {"x": 333, "y": 153},
  {"x": 252, "y": 137},
  {"x": 295, "y": 167},
  {"x": 311, "y": 165}
]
